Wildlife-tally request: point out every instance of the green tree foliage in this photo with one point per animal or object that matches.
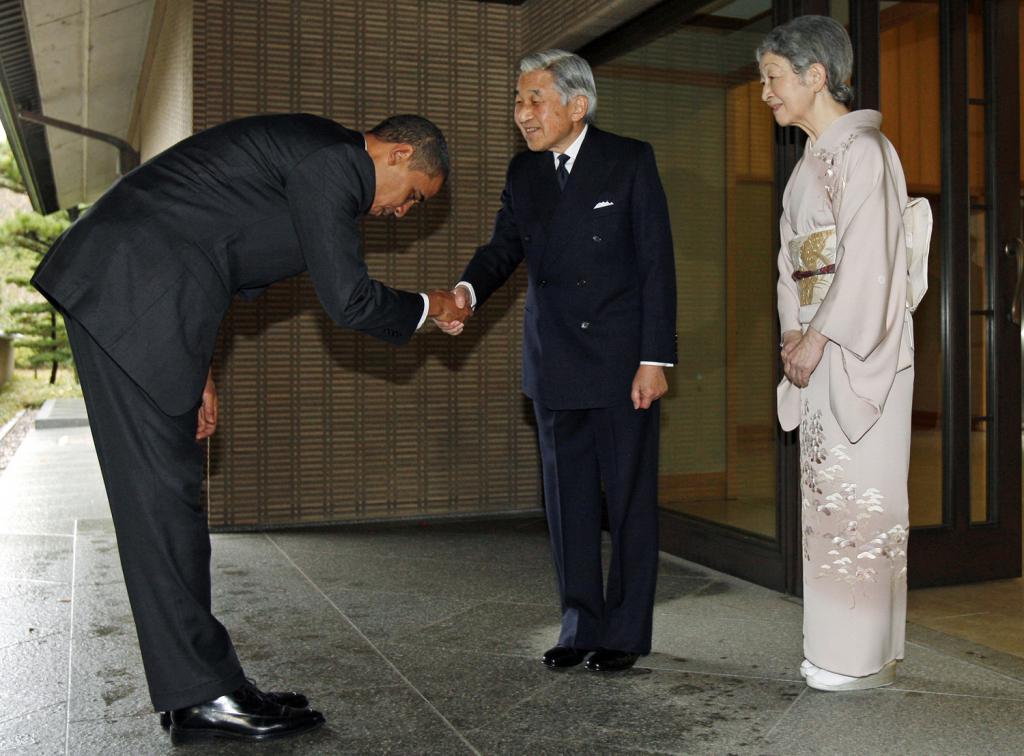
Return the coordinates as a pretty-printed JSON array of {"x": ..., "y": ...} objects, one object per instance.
[
  {"x": 28, "y": 235},
  {"x": 10, "y": 176}
]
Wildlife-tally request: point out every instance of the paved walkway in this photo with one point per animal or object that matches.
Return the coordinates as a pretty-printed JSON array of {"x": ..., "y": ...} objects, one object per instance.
[{"x": 425, "y": 640}]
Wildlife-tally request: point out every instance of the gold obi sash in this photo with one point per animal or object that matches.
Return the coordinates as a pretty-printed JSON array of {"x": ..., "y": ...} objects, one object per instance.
[{"x": 814, "y": 263}]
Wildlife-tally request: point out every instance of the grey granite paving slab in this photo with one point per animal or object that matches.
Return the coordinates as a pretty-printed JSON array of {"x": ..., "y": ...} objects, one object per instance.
[
  {"x": 729, "y": 597},
  {"x": 502, "y": 744},
  {"x": 700, "y": 640},
  {"x": 469, "y": 686},
  {"x": 62, "y": 413},
  {"x": 383, "y": 616},
  {"x": 135, "y": 736},
  {"x": 107, "y": 679},
  {"x": 34, "y": 676},
  {"x": 37, "y": 731},
  {"x": 384, "y": 720},
  {"x": 643, "y": 710},
  {"x": 35, "y": 557},
  {"x": 50, "y": 482},
  {"x": 363, "y": 715},
  {"x": 998, "y": 661},
  {"x": 287, "y": 634},
  {"x": 510, "y": 540},
  {"x": 29, "y": 611},
  {"x": 503, "y": 628},
  {"x": 433, "y": 577},
  {"x": 893, "y": 721},
  {"x": 930, "y": 670}
]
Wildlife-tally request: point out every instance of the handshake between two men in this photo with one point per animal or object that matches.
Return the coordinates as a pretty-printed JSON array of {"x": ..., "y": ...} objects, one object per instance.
[{"x": 451, "y": 309}]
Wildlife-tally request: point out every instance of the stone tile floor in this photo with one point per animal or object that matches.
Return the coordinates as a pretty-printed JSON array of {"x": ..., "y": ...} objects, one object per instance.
[{"x": 425, "y": 639}]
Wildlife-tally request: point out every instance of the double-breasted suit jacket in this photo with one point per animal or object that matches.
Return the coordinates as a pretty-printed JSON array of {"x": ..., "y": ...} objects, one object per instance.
[
  {"x": 151, "y": 268},
  {"x": 601, "y": 300},
  {"x": 602, "y": 293}
]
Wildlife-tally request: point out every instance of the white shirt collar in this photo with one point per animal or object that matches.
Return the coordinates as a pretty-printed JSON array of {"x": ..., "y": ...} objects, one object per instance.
[{"x": 572, "y": 150}]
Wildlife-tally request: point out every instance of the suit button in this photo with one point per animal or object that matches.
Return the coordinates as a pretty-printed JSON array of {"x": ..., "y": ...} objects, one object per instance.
[
  {"x": 543, "y": 282},
  {"x": 527, "y": 239},
  {"x": 596, "y": 238},
  {"x": 585, "y": 325},
  {"x": 582, "y": 282}
]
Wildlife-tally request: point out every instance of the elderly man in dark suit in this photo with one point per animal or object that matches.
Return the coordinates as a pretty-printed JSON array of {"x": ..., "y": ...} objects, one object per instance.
[
  {"x": 143, "y": 280},
  {"x": 587, "y": 211}
]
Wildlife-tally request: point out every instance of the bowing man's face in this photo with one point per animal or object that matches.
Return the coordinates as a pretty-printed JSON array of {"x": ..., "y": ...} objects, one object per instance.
[
  {"x": 544, "y": 120},
  {"x": 399, "y": 186},
  {"x": 783, "y": 90}
]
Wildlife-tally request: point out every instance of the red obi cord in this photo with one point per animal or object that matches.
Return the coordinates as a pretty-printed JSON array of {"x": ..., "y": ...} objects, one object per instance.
[{"x": 799, "y": 275}]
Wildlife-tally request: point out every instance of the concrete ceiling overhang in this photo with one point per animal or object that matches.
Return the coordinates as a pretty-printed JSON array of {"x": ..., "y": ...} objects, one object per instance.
[{"x": 88, "y": 56}]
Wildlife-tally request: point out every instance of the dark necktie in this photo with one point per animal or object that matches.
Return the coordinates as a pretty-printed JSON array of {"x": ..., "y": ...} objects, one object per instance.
[{"x": 562, "y": 172}]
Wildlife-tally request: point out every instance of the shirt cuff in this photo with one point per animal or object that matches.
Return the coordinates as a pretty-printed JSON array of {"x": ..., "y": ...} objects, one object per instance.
[
  {"x": 426, "y": 310},
  {"x": 472, "y": 292},
  {"x": 659, "y": 364}
]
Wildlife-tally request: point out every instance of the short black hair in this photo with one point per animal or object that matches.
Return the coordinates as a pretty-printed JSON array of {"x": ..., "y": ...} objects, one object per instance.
[{"x": 431, "y": 155}]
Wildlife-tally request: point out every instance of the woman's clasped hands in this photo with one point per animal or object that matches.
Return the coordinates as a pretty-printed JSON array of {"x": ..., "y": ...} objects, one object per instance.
[{"x": 801, "y": 354}]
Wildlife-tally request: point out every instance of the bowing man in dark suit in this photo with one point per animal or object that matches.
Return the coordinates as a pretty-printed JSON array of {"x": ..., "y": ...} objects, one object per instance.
[
  {"x": 587, "y": 212},
  {"x": 144, "y": 278}
]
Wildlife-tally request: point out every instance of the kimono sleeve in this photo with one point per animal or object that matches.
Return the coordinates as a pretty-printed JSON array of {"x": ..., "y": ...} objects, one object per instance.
[
  {"x": 787, "y": 292},
  {"x": 864, "y": 312},
  {"x": 865, "y": 303},
  {"x": 788, "y": 296}
]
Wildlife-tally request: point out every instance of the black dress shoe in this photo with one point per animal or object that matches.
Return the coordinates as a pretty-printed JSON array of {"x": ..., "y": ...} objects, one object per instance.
[
  {"x": 609, "y": 660},
  {"x": 282, "y": 697},
  {"x": 561, "y": 657},
  {"x": 245, "y": 714}
]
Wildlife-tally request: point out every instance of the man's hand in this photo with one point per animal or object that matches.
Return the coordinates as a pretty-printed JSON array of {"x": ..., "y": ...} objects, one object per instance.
[
  {"x": 649, "y": 385},
  {"x": 207, "y": 423},
  {"x": 461, "y": 299},
  {"x": 800, "y": 356}
]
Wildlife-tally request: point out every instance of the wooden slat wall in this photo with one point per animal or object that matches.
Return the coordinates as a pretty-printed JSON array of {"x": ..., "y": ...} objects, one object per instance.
[
  {"x": 325, "y": 425},
  {"x": 546, "y": 23}
]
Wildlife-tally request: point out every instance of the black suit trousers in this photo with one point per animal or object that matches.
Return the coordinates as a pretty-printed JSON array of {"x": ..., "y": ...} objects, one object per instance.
[
  {"x": 152, "y": 470},
  {"x": 581, "y": 450}
]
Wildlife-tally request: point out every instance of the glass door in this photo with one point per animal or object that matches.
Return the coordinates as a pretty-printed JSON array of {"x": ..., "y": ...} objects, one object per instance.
[
  {"x": 951, "y": 106},
  {"x": 683, "y": 78}
]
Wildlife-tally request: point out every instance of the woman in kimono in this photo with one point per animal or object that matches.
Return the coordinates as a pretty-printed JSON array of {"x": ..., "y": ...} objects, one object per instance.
[{"x": 847, "y": 354}]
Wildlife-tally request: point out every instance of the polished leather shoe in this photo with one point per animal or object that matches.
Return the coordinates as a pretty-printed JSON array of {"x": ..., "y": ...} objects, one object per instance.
[
  {"x": 244, "y": 714},
  {"x": 282, "y": 697},
  {"x": 562, "y": 657},
  {"x": 609, "y": 660}
]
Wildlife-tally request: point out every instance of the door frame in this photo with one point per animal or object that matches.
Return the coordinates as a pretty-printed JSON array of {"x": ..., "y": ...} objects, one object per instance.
[
  {"x": 959, "y": 551},
  {"x": 772, "y": 562},
  {"x": 956, "y": 551}
]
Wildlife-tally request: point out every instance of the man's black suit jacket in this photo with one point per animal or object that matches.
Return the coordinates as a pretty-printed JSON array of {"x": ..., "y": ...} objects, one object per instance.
[
  {"x": 602, "y": 287},
  {"x": 150, "y": 269}
]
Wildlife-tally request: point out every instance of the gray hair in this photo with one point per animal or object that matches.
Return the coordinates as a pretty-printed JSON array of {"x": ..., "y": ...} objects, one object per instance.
[
  {"x": 571, "y": 73},
  {"x": 807, "y": 40}
]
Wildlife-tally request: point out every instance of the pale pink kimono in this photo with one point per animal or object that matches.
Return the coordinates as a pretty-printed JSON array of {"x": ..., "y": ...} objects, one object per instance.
[{"x": 854, "y": 416}]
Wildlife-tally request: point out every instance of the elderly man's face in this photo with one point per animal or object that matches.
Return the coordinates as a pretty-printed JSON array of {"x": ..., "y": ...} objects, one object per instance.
[
  {"x": 783, "y": 91},
  {"x": 545, "y": 122},
  {"x": 398, "y": 187}
]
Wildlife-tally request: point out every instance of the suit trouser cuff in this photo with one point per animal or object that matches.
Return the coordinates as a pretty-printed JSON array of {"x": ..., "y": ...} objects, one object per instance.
[{"x": 197, "y": 694}]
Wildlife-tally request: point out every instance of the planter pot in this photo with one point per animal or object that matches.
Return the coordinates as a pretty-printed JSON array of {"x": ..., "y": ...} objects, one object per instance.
[{"x": 6, "y": 358}]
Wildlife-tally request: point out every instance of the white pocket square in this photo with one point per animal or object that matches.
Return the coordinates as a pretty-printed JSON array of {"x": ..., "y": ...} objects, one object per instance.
[{"x": 599, "y": 205}]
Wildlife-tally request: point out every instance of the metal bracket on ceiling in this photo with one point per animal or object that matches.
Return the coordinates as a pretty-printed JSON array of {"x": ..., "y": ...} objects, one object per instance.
[{"x": 128, "y": 156}]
